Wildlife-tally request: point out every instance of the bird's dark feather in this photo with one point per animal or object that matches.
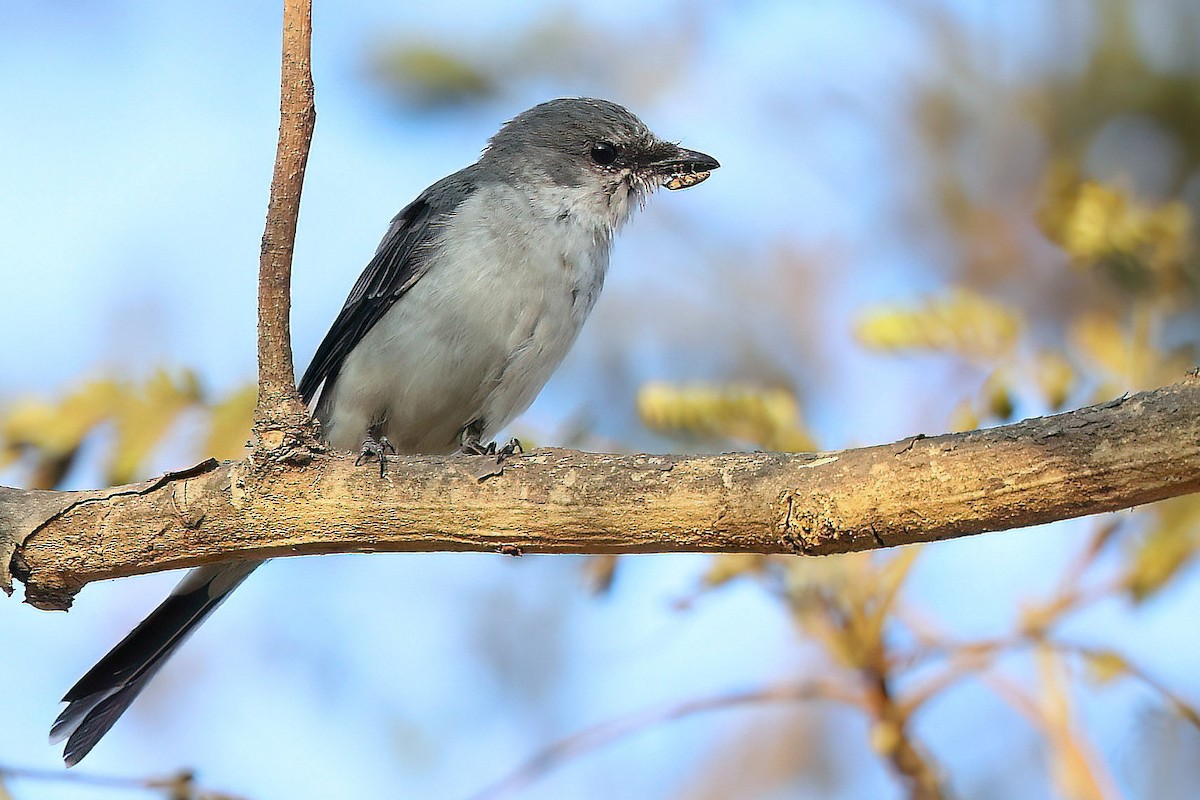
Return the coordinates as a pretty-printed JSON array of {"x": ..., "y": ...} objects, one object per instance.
[
  {"x": 102, "y": 695},
  {"x": 400, "y": 261}
]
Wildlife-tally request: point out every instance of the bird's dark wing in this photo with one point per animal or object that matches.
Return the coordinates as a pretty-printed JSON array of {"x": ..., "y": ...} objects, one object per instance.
[{"x": 400, "y": 261}]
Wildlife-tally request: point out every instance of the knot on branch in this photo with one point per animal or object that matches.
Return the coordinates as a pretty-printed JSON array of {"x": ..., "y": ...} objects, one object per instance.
[
  {"x": 284, "y": 434},
  {"x": 810, "y": 525}
]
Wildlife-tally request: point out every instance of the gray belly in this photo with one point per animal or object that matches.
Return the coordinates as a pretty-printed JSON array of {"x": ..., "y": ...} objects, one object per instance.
[{"x": 470, "y": 343}]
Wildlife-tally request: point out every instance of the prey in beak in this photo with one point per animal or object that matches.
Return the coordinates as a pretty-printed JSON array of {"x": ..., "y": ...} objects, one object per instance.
[{"x": 677, "y": 168}]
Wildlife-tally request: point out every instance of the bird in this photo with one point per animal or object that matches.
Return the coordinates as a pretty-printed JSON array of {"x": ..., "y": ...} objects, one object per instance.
[{"x": 470, "y": 302}]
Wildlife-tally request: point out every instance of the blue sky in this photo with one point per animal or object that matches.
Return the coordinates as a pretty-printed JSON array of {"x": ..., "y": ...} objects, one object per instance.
[{"x": 137, "y": 141}]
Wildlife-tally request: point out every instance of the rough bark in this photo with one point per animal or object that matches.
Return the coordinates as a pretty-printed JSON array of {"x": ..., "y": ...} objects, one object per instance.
[
  {"x": 1129, "y": 451},
  {"x": 281, "y": 424}
]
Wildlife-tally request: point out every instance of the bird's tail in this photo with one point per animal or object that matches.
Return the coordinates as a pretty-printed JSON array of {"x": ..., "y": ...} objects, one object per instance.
[{"x": 102, "y": 695}]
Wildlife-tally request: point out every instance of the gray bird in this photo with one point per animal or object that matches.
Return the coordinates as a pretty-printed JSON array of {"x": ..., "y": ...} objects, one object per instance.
[{"x": 472, "y": 300}]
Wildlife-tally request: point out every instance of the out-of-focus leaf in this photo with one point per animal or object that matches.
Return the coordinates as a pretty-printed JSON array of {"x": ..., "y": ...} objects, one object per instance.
[
  {"x": 47, "y": 433},
  {"x": 885, "y": 737},
  {"x": 1105, "y": 344},
  {"x": 1170, "y": 544},
  {"x": 808, "y": 579},
  {"x": 57, "y": 428},
  {"x": 430, "y": 75},
  {"x": 997, "y": 394},
  {"x": 768, "y": 418},
  {"x": 1055, "y": 378},
  {"x": 1097, "y": 223},
  {"x": 142, "y": 417},
  {"x": 1127, "y": 356},
  {"x": 823, "y": 595},
  {"x": 229, "y": 424},
  {"x": 964, "y": 417},
  {"x": 1105, "y": 666},
  {"x": 1090, "y": 222},
  {"x": 962, "y": 322},
  {"x": 890, "y": 573},
  {"x": 845, "y": 603},
  {"x": 727, "y": 567}
]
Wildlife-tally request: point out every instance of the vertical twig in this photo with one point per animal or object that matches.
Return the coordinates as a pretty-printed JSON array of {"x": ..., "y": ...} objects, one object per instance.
[{"x": 279, "y": 408}]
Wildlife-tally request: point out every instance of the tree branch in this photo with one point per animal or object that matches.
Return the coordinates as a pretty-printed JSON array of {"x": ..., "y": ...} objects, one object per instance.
[
  {"x": 1119, "y": 454},
  {"x": 280, "y": 416}
]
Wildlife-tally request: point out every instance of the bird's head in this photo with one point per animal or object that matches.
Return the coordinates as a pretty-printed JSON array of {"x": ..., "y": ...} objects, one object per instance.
[{"x": 595, "y": 153}]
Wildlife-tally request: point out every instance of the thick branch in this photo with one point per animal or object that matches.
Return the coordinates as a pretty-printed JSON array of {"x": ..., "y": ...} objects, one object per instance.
[
  {"x": 279, "y": 407},
  {"x": 1116, "y": 455}
]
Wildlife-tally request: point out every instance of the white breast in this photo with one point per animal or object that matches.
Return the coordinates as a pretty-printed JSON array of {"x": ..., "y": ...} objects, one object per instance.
[{"x": 508, "y": 288}]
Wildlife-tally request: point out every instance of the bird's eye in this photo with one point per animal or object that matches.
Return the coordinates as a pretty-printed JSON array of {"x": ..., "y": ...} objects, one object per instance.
[{"x": 604, "y": 153}]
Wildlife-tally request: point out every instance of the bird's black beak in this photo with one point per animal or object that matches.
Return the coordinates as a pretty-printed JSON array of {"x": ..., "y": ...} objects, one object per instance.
[{"x": 679, "y": 168}]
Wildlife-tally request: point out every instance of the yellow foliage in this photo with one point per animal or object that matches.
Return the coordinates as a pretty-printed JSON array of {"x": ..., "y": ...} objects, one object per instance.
[
  {"x": 846, "y": 602},
  {"x": 1105, "y": 666},
  {"x": 56, "y": 429},
  {"x": 1094, "y": 222},
  {"x": 229, "y": 424},
  {"x": 1167, "y": 547},
  {"x": 431, "y": 75},
  {"x": 997, "y": 394},
  {"x": 729, "y": 566},
  {"x": 964, "y": 417},
  {"x": 961, "y": 322},
  {"x": 877, "y": 603},
  {"x": 53, "y": 432},
  {"x": 1055, "y": 377},
  {"x": 768, "y": 418},
  {"x": 1105, "y": 344},
  {"x": 140, "y": 415},
  {"x": 1127, "y": 356}
]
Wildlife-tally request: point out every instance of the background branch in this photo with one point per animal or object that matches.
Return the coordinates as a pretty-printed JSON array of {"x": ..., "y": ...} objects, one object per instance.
[
  {"x": 1116, "y": 455},
  {"x": 605, "y": 733}
]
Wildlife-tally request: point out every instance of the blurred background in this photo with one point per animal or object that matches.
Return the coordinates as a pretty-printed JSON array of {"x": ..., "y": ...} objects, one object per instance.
[{"x": 930, "y": 216}]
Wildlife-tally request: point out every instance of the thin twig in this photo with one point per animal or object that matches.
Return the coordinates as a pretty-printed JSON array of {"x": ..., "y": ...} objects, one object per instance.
[
  {"x": 973, "y": 659},
  {"x": 182, "y": 784},
  {"x": 608, "y": 732},
  {"x": 278, "y": 403}
]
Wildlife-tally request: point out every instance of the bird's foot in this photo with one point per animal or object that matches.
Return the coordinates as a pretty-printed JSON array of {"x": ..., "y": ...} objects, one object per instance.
[
  {"x": 510, "y": 448},
  {"x": 471, "y": 446},
  {"x": 375, "y": 448}
]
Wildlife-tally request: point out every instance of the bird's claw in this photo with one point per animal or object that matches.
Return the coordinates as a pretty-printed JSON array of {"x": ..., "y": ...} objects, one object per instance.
[
  {"x": 510, "y": 448},
  {"x": 375, "y": 448},
  {"x": 494, "y": 465},
  {"x": 473, "y": 447}
]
